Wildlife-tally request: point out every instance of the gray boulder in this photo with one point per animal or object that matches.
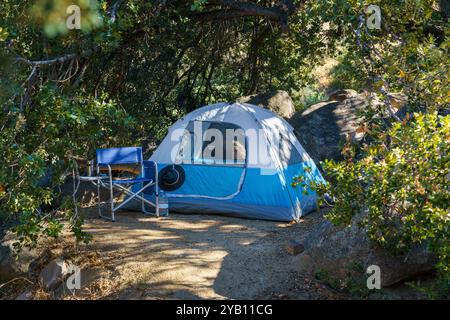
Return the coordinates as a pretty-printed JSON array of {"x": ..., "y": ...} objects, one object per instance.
[
  {"x": 341, "y": 95},
  {"x": 13, "y": 266},
  {"x": 398, "y": 101},
  {"x": 277, "y": 101},
  {"x": 324, "y": 127},
  {"x": 26, "y": 295},
  {"x": 337, "y": 250},
  {"x": 54, "y": 273},
  {"x": 87, "y": 277}
]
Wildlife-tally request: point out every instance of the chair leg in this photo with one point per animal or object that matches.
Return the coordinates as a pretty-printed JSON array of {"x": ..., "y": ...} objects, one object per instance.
[
  {"x": 112, "y": 199},
  {"x": 143, "y": 206},
  {"x": 98, "y": 199},
  {"x": 144, "y": 211},
  {"x": 157, "y": 205}
]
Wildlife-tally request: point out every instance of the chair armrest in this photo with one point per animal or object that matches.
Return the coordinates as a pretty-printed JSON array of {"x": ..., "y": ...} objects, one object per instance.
[
  {"x": 149, "y": 164},
  {"x": 91, "y": 178}
]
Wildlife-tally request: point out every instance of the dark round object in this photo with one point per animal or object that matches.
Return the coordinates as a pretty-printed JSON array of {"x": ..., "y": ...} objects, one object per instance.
[{"x": 171, "y": 178}]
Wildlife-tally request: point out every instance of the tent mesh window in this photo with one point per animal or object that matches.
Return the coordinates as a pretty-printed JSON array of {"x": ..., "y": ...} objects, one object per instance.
[{"x": 213, "y": 143}]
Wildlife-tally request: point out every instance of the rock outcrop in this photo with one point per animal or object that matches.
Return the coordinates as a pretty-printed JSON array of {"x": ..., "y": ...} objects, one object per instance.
[
  {"x": 337, "y": 250},
  {"x": 277, "y": 101},
  {"x": 323, "y": 127}
]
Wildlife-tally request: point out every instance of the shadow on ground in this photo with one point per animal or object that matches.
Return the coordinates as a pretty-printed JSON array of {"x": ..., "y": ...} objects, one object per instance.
[{"x": 196, "y": 256}]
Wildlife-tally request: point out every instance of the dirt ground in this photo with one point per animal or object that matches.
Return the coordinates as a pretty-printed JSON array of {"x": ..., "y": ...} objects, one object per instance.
[
  {"x": 186, "y": 257},
  {"x": 198, "y": 257}
]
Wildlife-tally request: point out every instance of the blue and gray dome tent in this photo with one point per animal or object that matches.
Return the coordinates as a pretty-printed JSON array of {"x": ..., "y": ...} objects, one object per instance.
[{"x": 253, "y": 180}]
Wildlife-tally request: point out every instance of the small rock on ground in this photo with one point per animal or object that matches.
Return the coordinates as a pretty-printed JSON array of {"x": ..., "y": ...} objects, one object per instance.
[{"x": 54, "y": 273}]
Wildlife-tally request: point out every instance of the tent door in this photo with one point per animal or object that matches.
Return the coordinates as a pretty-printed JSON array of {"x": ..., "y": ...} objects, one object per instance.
[{"x": 214, "y": 157}]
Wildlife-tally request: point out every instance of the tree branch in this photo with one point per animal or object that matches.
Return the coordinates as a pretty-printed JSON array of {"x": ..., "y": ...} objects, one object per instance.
[
  {"x": 60, "y": 59},
  {"x": 231, "y": 9}
]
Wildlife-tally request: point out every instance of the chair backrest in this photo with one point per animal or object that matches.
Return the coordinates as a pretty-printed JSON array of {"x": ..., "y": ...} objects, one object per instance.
[{"x": 127, "y": 155}]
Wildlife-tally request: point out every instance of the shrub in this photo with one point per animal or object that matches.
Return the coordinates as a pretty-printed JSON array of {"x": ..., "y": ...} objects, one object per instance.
[
  {"x": 403, "y": 180},
  {"x": 37, "y": 147}
]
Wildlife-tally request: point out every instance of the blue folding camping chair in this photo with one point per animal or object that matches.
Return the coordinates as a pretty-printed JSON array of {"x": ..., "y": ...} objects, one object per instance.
[{"x": 147, "y": 178}]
